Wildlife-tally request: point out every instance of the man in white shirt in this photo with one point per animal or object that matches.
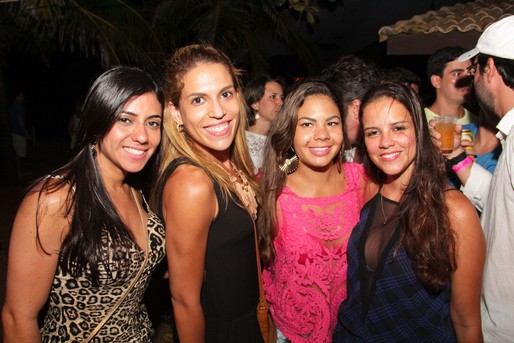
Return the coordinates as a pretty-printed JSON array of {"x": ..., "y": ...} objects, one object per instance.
[
  {"x": 452, "y": 85},
  {"x": 493, "y": 70}
]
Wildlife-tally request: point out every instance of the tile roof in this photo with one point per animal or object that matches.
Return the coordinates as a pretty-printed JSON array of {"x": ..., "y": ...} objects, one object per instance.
[{"x": 462, "y": 17}]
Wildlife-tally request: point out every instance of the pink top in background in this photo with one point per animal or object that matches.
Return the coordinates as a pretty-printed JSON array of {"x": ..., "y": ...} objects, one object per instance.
[{"x": 307, "y": 281}]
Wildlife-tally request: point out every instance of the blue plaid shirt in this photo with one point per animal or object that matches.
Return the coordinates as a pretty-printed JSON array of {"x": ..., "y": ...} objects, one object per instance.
[{"x": 397, "y": 308}]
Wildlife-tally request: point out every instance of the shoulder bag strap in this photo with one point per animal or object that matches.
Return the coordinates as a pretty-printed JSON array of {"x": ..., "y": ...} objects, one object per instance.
[
  {"x": 132, "y": 283},
  {"x": 258, "y": 256}
]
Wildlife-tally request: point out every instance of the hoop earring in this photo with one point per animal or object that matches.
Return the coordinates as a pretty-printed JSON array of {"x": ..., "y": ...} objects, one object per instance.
[
  {"x": 180, "y": 128},
  {"x": 290, "y": 165}
]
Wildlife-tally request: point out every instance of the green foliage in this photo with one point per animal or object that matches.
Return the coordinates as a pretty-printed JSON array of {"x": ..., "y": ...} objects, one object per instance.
[
  {"x": 109, "y": 30},
  {"x": 143, "y": 32},
  {"x": 243, "y": 29},
  {"x": 304, "y": 7}
]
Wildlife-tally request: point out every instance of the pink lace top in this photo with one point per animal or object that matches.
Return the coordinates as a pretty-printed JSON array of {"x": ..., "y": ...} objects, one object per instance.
[{"x": 307, "y": 281}]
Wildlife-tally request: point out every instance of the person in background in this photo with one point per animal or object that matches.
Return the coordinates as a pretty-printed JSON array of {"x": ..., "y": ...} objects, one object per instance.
[
  {"x": 313, "y": 199},
  {"x": 416, "y": 257},
  {"x": 404, "y": 75},
  {"x": 493, "y": 70},
  {"x": 19, "y": 132},
  {"x": 83, "y": 238},
  {"x": 354, "y": 77},
  {"x": 207, "y": 195},
  {"x": 264, "y": 95},
  {"x": 452, "y": 85}
]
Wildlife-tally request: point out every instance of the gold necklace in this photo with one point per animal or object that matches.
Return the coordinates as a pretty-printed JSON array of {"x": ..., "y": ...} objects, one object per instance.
[
  {"x": 243, "y": 189},
  {"x": 382, "y": 206}
]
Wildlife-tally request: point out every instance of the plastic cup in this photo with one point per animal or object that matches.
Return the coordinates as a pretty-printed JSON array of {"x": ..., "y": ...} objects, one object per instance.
[{"x": 445, "y": 125}]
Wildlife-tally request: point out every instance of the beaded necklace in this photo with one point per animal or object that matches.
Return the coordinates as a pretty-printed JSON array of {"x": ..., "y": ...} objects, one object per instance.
[{"x": 243, "y": 189}]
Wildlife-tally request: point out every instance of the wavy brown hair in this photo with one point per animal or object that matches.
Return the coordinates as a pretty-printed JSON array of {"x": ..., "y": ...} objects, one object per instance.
[
  {"x": 278, "y": 149},
  {"x": 426, "y": 233}
]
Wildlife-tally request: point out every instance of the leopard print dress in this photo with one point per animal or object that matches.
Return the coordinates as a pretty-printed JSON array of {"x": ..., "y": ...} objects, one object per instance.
[{"x": 75, "y": 306}]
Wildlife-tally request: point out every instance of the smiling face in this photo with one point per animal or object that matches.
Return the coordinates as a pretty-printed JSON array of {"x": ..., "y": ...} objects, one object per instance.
[
  {"x": 133, "y": 138},
  {"x": 390, "y": 138},
  {"x": 319, "y": 133},
  {"x": 271, "y": 102},
  {"x": 209, "y": 108}
]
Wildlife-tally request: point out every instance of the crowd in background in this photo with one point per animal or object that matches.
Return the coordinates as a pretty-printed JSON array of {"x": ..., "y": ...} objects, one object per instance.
[{"x": 336, "y": 184}]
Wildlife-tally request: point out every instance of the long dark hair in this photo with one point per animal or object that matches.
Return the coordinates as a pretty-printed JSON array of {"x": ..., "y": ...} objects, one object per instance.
[
  {"x": 93, "y": 215},
  {"x": 277, "y": 149},
  {"x": 426, "y": 231}
]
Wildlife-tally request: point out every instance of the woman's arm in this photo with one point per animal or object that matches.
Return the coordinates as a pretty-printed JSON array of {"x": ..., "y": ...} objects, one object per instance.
[
  {"x": 30, "y": 270},
  {"x": 189, "y": 207},
  {"x": 466, "y": 280}
]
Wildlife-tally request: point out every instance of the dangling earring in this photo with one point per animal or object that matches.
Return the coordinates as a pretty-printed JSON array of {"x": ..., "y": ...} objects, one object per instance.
[
  {"x": 180, "y": 128},
  {"x": 290, "y": 164},
  {"x": 257, "y": 116},
  {"x": 93, "y": 150}
]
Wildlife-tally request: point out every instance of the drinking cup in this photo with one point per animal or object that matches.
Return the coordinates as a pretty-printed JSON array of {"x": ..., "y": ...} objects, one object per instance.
[{"x": 445, "y": 125}]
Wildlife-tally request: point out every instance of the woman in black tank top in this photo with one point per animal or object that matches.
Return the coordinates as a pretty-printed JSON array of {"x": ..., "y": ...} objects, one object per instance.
[{"x": 207, "y": 196}]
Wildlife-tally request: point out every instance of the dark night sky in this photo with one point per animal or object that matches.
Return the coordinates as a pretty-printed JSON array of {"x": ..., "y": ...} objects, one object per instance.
[{"x": 52, "y": 89}]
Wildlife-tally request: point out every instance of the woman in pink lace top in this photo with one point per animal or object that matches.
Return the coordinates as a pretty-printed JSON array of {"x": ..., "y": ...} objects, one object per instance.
[{"x": 312, "y": 203}]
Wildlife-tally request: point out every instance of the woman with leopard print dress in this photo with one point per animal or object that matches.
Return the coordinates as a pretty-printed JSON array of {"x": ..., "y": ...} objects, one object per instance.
[{"x": 84, "y": 240}]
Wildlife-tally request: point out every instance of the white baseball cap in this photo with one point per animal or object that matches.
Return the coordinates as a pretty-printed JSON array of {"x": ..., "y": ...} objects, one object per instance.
[{"x": 497, "y": 40}]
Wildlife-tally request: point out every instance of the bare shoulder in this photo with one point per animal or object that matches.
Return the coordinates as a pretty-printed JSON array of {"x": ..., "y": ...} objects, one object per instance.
[
  {"x": 189, "y": 185},
  {"x": 45, "y": 214},
  {"x": 459, "y": 206},
  {"x": 370, "y": 190},
  {"x": 463, "y": 216},
  {"x": 189, "y": 181}
]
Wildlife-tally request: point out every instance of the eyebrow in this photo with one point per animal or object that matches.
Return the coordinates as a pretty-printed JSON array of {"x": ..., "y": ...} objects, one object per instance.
[
  {"x": 135, "y": 114},
  {"x": 392, "y": 124},
  {"x": 335, "y": 116},
  {"x": 197, "y": 94},
  {"x": 458, "y": 69}
]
